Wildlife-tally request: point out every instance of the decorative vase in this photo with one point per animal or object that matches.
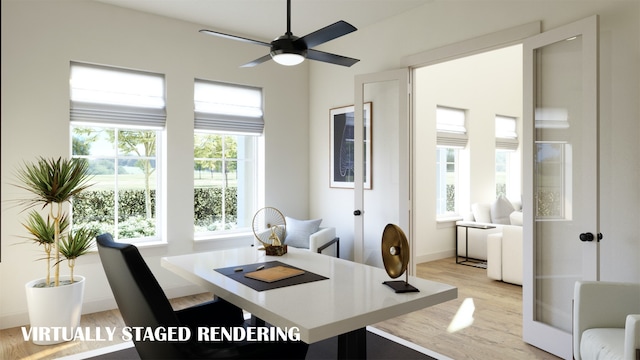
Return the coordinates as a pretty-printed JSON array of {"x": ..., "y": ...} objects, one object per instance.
[{"x": 55, "y": 307}]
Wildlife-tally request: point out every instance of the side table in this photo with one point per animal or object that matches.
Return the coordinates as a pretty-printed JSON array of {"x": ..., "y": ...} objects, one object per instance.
[{"x": 467, "y": 260}]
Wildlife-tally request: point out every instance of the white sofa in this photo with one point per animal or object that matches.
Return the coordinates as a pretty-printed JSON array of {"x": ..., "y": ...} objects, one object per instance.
[
  {"x": 606, "y": 320},
  {"x": 501, "y": 212},
  {"x": 504, "y": 255}
]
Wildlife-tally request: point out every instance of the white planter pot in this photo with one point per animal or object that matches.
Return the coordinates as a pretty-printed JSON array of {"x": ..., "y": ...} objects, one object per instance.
[{"x": 55, "y": 307}]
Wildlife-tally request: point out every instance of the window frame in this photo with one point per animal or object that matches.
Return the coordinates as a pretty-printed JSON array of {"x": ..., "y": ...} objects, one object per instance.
[
  {"x": 130, "y": 112},
  {"x": 451, "y": 134},
  {"x": 247, "y": 122},
  {"x": 456, "y": 182}
]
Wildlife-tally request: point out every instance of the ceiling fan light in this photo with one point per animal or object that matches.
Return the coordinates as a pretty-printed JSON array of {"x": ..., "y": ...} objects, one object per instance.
[{"x": 287, "y": 59}]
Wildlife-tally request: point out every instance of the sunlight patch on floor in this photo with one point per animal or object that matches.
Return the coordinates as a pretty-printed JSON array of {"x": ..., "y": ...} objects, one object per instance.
[{"x": 463, "y": 317}]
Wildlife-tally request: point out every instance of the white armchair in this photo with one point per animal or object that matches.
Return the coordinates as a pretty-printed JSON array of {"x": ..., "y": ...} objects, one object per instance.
[
  {"x": 606, "y": 320},
  {"x": 324, "y": 241},
  {"x": 308, "y": 234}
]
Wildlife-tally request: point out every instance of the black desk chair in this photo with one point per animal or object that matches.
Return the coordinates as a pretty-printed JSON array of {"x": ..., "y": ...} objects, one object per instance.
[{"x": 143, "y": 303}]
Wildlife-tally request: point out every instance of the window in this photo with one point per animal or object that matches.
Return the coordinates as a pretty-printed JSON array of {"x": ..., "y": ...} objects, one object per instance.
[
  {"x": 447, "y": 178},
  {"x": 117, "y": 123},
  {"x": 451, "y": 137},
  {"x": 506, "y": 145},
  {"x": 227, "y": 141},
  {"x": 502, "y": 172}
]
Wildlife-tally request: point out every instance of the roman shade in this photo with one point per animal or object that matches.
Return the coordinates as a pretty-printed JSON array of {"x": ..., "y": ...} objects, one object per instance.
[
  {"x": 506, "y": 133},
  {"x": 228, "y": 108},
  {"x": 450, "y": 126},
  {"x": 116, "y": 97}
]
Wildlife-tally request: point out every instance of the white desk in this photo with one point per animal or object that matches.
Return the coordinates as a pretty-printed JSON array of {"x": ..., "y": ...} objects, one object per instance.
[{"x": 352, "y": 298}]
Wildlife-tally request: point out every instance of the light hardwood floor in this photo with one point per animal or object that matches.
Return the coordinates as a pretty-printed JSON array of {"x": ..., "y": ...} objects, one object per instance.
[{"x": 496, "y": 332}]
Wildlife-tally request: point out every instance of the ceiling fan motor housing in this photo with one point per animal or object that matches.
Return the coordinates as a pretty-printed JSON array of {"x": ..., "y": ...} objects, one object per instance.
[{"x": 286, "y": 44}]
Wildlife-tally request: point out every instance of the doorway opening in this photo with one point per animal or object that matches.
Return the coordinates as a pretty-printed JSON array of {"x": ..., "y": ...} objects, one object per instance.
[{"x": 478, "y": 165}]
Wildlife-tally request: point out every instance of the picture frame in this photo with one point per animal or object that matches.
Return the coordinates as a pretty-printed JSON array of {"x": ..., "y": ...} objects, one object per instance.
[{"x": 342, "y": 146}]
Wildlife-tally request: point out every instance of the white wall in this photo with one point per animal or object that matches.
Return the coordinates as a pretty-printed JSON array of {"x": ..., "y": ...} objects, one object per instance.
[
  {"x": 40, "y": 38},
  {"x": 384, "y": 45}
]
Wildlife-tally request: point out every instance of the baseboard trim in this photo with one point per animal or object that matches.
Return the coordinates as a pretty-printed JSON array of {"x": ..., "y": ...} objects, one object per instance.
[{"x": 435, "y": 256}]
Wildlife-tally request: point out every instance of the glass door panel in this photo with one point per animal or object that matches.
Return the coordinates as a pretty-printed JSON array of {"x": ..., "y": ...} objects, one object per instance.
[
  {"x": 557, "y": 108},
  {"x": 561, "y": 171}
]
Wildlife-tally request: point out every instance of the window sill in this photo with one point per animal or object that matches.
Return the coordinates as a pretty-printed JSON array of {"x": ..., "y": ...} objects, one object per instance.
[
  {"x": 223, "y": 236},
  {"x": 447, "y": 222},
  {"x": 448, "y": 219},
  {"x": 206, "y": 242},
  {"x": 149, "y": 244},
  {"x": 139, "y": 245}
]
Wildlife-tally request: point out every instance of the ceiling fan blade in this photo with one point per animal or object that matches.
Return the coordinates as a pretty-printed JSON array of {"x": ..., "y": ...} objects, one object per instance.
[
  {"x": 234, "y": 37},
  {"x": 330, "y": 58},
  {"x": 258, "y": 61},
  {"x": 327, "y": 33}
]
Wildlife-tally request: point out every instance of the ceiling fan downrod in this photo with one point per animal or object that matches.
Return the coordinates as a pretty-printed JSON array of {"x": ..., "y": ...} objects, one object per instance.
[{"x": 289, "y": 18}]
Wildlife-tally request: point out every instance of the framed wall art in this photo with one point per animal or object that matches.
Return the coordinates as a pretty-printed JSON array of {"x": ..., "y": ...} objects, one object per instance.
[{"x": 342, "y": 146}]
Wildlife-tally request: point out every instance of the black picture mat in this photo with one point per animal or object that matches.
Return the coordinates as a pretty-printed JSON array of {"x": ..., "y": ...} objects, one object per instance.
[{"x": 261, "y": 285}]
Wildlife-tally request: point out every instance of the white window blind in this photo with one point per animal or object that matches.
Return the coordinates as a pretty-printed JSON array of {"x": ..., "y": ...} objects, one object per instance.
[
  {"x": 506, "y": 133},
  {"x": 103, "y": 95},
  {"x": 450, "y": 126},
  {"x": 228, "y": 108}
]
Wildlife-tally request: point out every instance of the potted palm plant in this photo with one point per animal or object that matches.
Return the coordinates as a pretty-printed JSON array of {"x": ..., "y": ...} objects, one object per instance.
[{"x": 52, "y": 183}]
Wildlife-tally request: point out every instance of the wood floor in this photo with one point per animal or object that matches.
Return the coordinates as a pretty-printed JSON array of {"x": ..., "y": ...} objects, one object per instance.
[{"x": 496, "y": 332}]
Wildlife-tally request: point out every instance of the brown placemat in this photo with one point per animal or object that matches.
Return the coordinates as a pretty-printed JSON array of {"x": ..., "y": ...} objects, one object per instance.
[
  {"x": 260, "y": 285},
  {"x": 275, "y": 273}
]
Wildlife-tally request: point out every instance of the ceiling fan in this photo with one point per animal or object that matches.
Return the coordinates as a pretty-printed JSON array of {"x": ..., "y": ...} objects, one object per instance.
[{"x": 289, "y": 49}]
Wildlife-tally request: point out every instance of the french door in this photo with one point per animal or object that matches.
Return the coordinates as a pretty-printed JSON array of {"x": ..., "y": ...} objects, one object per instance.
[
  {"x": 388, "y": 198},
  {"x": 561, "y": 198}
]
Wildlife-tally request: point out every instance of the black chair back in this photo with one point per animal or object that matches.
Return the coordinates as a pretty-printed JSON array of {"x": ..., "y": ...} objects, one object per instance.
[{"x": 140, "y": 299}]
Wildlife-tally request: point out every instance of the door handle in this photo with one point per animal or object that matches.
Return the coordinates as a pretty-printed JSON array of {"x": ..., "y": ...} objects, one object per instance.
[
  {"x": 357, "y": 213},
  {"x": 587, "y": 237}
]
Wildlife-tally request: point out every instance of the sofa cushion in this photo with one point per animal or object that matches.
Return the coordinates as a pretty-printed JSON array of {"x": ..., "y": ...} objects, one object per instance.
[
  {"x": 500, "y": 211},
  {"x": 517, "y": 204},
  {"x": 602, "y": 343},
  {"x": 481, "y": 212},
  {"x": 298, "y": 231},
  {"x": 516, "y": 218}
]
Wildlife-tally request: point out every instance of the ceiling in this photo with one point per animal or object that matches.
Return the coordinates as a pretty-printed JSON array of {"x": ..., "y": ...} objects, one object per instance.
[{"x": 266, "y": 19}]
